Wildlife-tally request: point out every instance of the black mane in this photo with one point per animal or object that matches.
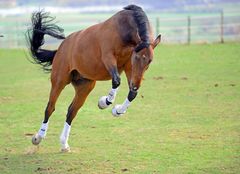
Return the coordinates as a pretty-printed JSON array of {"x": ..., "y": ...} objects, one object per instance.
[{"x": 142, "y": 23}]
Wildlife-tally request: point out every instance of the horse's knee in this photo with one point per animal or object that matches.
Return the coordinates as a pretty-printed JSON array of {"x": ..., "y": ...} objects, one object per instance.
[{"x": 116, "y": 81}]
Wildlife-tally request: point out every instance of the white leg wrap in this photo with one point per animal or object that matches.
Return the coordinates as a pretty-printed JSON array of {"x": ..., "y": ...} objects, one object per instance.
[
  {"x": 102, "y": 102},
  {"x": 64, "y": 136},
  {"x": 118, "y": 110},
  {"x": 112, "y": 95},
  {"x": 125, "y": 105},
  {"x": 43, "y": 130}
]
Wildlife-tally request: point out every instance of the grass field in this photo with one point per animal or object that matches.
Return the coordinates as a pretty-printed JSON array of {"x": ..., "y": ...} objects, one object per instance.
[{"x": 186, "y": 118}]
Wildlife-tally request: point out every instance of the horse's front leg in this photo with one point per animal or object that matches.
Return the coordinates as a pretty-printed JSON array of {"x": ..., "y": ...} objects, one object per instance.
[
  {"x": 106, "y": 101},
  {"x": 120, "y": 109}
]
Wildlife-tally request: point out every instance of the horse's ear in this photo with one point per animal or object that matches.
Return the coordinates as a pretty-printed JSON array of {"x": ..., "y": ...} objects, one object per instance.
[{"x": 156, "y": 41}]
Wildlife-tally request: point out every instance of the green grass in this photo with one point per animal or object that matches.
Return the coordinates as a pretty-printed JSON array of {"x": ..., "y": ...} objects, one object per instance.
[{"x": 186, "y": 118}]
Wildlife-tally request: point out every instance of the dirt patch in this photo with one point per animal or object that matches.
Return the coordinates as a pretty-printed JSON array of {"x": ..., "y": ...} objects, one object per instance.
[
  {"x": 189, "y": 134},
  {"x": 72, "y": 169},
  {"x": 40, "y": 169},
  {"x": 6, "y": 99},
  {"x": 158, "y": 78},
  {"x": 184, "y": 78},
  {"x": 124, "y": 170},
  {"x": 28, "y": 134},
  {"x": 31, "y": 150},
  {"x": 8, "y": 150}
]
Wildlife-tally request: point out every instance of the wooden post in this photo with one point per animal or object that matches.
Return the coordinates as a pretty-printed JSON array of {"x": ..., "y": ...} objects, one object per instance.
[
  {"x": 222, "y": 27},
  {"x": 157, "y": 26},
  {"x": 189, "y": 29}
]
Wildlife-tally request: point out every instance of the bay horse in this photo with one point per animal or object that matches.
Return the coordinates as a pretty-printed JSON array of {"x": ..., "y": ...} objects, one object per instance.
[{"x": 103, "y": 51}]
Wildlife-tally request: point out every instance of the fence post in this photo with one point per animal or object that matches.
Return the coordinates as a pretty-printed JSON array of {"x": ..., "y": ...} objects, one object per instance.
[
  {"x": 189, "y": 29},
  {"x": 157, "y": 26},
  {"x": 222, "y": 27}
]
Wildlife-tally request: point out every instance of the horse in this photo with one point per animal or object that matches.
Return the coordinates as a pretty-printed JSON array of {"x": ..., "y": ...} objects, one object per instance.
[{"x": 124, "y": 42}]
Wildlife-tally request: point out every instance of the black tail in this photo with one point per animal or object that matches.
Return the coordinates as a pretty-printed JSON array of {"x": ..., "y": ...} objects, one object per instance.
[{"x": 42, "y": 24}]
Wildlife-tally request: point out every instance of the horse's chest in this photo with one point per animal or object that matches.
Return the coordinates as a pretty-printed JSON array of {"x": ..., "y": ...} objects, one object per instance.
[{"x": 123, "y": 57}]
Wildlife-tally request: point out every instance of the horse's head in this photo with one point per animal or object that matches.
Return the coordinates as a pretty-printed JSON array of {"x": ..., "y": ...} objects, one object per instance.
[{"x": 141, "y": 59}]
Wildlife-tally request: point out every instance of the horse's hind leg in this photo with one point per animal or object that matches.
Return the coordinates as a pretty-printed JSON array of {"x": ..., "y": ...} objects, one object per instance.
[
  {"x": 82, "y": 88},
  {"x": 57, "y": 87}
]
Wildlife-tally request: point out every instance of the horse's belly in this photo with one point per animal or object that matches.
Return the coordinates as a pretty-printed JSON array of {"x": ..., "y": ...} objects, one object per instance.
[{"x": 92, "y": 71}]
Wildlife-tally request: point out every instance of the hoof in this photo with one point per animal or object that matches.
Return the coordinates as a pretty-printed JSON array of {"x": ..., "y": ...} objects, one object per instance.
[
  {"x": 116, "y": 111},
  {"x": 103, "y": 103},
  {"x": 65, "y": 150},
  {"x": 36, "y": 139}
]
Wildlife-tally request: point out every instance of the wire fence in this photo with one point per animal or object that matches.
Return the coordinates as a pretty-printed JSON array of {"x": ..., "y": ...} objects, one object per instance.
[
  {"x": 205, "y": 29},
  {"x": 184, "y": 29}
]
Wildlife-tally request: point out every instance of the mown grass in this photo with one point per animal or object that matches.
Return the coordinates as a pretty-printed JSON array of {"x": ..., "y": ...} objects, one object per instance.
[{"x": 186, "y": 118}]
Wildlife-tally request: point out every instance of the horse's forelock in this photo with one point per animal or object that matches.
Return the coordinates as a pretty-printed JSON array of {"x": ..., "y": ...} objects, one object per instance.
[{"x": 140, "y": 46}]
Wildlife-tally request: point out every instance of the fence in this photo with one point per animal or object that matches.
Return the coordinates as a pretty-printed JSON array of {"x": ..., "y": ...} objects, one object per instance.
[
  {"x": 175, "y": 28},
  {"x": 200, "y": 29}
]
